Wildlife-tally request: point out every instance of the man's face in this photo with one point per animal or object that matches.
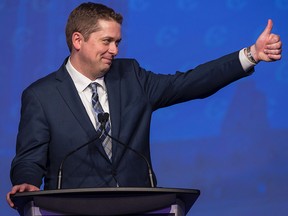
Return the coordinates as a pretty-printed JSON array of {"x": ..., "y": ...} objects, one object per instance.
[{"x": 96, "y": 54}]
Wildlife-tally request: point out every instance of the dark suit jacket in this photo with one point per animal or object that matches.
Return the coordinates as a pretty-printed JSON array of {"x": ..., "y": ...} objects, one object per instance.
[{"x": 54, "y": 122}]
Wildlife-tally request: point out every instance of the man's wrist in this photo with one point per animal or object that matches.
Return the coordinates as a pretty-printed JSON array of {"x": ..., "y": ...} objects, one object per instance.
[
  {"x": 249, "y": 55},
  {"x": 247, "y": 65}
]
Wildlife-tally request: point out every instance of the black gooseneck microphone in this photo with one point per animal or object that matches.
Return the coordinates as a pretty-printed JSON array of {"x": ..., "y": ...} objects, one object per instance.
[
  {"x": 103, "y": 118},
  {"x": 60, "y": 170}
]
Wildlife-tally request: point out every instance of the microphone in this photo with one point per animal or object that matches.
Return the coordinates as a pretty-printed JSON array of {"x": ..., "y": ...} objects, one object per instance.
[
  {"x": 103, "y": 118},
  {"x": 60, "y": 170}
]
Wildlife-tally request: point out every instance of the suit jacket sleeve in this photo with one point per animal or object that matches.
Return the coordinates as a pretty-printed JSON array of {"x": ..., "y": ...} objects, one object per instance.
[
  {"x": 201, "y": 82},
  {"x": 32, "y": 142}
]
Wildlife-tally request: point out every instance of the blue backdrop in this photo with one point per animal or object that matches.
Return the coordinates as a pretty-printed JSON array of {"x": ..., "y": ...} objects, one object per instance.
[{"x": 232, "y": 146}]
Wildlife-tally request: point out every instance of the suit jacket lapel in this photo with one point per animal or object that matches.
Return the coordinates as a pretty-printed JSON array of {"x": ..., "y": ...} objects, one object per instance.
[
  {"x": 71, "y": 97},
  {"x": 113, "y": 84}
]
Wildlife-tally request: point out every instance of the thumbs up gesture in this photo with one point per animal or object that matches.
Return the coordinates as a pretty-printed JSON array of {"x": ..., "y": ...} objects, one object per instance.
[{"x": 268, "y": 46}]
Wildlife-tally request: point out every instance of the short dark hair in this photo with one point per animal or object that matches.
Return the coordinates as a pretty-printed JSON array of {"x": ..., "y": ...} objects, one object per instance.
[{"x": 84, "y": 19}]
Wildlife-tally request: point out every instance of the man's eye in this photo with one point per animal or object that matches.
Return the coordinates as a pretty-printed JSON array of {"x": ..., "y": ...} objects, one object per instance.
[{"x": 117, "y": 43}]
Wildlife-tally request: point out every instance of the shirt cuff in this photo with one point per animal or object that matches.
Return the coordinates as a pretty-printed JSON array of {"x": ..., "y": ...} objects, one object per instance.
[{"x": 246, "y": 64}]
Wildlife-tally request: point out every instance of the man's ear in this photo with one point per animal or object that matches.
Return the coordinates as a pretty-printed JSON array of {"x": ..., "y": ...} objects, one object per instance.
[{"x": 77, "y": 39}]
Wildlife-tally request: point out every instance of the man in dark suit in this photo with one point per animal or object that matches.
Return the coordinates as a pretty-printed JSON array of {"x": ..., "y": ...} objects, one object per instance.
[{"x": 58, "y": 113}]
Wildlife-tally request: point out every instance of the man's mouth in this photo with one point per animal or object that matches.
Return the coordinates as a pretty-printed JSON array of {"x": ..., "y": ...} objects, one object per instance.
[{"x": 108, "y": 60}]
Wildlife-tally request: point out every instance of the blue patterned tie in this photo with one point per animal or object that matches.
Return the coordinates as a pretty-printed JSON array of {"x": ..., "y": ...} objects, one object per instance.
[{"x": 97, "y": 108}]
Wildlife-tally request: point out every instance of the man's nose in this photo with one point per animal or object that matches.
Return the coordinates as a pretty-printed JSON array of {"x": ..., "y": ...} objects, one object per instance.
[{"x": 113, "y": 49}]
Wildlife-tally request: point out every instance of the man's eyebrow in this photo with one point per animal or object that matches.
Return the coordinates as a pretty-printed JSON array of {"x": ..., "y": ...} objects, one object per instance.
[{"x": 111, "y": 38}]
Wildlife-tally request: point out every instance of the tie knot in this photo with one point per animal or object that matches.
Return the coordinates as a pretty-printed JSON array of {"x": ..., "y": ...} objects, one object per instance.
[{"x": 93, "y": 86}]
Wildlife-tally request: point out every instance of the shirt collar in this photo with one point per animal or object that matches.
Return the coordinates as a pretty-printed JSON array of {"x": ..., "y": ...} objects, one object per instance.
[{"x": 82, "y": 82}]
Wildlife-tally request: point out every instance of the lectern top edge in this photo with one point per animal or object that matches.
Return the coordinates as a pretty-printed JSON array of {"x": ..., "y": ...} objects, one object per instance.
[
  {"x": 109, "y": 190},
  {"x": 145, "y": 195}
]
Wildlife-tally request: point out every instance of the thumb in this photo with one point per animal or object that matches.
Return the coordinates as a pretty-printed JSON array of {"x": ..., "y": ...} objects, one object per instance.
[{"x": 268, "y": 28}]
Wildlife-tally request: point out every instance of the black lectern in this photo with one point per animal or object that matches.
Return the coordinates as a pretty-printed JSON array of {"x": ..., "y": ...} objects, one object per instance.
[{"x": 106, "y": 201}]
